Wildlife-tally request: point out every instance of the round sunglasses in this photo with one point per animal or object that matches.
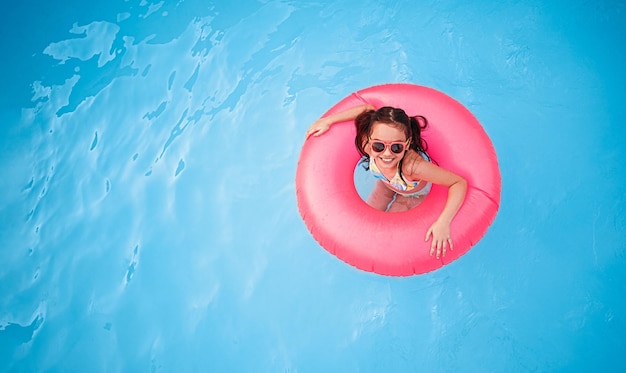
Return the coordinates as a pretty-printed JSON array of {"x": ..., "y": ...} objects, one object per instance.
[{"x": 396, "y": 147}]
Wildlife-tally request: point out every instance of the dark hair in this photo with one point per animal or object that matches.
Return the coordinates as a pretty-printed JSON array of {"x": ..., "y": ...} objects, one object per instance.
[{"x": 412, "y": 127}]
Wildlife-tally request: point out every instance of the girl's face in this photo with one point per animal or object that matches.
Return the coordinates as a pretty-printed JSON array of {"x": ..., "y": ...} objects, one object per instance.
[{"x": 392, "y": 138}]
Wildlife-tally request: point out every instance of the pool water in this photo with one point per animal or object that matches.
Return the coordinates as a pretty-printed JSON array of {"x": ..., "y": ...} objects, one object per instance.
[{"x": 148, "y": 211}]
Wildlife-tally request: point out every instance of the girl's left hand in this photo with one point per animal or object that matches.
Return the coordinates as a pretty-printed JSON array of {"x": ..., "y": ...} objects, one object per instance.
[{"x": 440, "y": 233}]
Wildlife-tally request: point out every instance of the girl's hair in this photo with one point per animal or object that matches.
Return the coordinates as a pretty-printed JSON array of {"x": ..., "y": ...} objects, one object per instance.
[{"x": 412, "y": 127}]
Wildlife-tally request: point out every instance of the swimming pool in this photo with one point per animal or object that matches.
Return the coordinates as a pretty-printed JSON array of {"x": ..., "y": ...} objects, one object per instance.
[{"x": 148, "y": 204}]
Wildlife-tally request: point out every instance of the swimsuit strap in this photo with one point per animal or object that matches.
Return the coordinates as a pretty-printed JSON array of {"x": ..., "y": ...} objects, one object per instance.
[{"x": 397, "y": 182}]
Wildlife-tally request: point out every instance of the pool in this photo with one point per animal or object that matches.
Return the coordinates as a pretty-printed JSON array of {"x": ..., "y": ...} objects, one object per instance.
[{"x": 148, "y": 209}]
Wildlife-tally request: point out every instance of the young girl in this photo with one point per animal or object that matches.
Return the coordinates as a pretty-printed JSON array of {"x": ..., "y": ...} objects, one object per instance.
[{"x": 393, "y": 150}]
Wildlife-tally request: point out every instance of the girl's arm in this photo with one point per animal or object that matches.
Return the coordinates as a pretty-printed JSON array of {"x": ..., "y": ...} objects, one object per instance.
[
  {"x": 457, "y": 188},
  {"x": 323, "y": 124}
]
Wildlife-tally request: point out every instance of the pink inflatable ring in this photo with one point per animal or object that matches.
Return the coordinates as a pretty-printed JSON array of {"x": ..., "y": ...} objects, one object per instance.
[{"x": 393, "y": 243}]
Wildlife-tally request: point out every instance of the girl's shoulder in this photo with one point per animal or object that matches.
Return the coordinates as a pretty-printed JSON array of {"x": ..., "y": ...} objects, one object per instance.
[{"x": 412, "y": 163}]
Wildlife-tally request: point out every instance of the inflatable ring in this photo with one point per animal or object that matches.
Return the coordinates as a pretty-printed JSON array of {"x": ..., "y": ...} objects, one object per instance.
[{"x": 392, "y": 243}]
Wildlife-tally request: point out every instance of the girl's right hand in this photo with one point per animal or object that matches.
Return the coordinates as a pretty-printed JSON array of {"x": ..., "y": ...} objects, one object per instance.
[
  {"x": 318, "y": 127},
  {"x": 322, "y": 125}
]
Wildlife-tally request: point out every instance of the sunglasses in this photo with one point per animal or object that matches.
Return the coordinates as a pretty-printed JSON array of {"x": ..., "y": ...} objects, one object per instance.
[{"x": 396, "y": 147}]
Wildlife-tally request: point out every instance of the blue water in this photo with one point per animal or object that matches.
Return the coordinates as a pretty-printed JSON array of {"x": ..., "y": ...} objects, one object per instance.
[{"x": 148, "y": 208}]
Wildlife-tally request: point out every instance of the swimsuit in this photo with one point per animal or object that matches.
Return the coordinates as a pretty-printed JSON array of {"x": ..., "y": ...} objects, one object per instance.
[{"x": 397, "y": 183}]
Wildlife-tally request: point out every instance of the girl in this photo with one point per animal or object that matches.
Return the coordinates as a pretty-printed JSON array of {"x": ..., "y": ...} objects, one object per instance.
[{"x": 393, "y": 150}]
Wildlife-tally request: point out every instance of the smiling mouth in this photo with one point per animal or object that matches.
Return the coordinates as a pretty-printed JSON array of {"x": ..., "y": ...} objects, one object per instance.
[{"x": 386, "y": 160}]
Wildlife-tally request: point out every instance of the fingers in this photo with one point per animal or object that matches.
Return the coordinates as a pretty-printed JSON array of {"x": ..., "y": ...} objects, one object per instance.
[
  {"x": 435, "y": 245},
  {"x": 432, "y": 245},
  {"x": 315, "y": 132},
  {"x": 439, "y": 247},
  {"x": 445, "y": 245},
  {"x": 310, "y": 131}
]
